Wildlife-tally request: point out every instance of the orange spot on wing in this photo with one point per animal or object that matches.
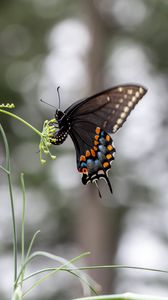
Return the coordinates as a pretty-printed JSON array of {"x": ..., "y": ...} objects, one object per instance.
[
  {"x": 109, "y": 147},
  {"x": 82, "y": 158},
  {"x": 96, "y": 143},
  {"x": 87, "y": 153},
  {"x": 105, "y": 164},
  {"x": 95, "y": 148},
  {"x": 97, "y": 130},
  {"x": 93, "y": 152},
  {"x": 96, "y": 137},
  {"x": 84, "y": 170},
  {"x": 108, "y": 138},
  {"x": 108, "y": 156}
]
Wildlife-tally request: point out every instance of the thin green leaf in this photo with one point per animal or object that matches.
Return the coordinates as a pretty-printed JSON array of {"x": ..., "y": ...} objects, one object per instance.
[
  {"x": 54, "y": 257},
  {"x": 5, "y": 170},
  {"x": 7, "y": 167},
  {"x": 17, "y": 295},
  {"x": 23, "y": 225},
  {"x": 122, "y": 267},
  {"x": 31, "y": 243},
  {"x": 27, "y": 259},
  {"x": 86, "y": 279},
  {"x": 125, "y": 296}
]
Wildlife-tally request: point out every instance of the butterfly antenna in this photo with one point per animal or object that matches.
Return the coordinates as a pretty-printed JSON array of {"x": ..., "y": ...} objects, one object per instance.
[
  {"x": 59, "y": 99},
  {"x": 98, "y": 189},
  {"x": 47, "y": 103}
]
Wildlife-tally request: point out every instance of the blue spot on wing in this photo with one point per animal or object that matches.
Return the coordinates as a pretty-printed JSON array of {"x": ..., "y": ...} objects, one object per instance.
[{"x": 102, "y": 148}]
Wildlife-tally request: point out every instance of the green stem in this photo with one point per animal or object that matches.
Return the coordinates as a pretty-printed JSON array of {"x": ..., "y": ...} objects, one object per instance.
[
  {"x": 97, "y": 267},
  {"x": 31, "y": 244},
  {"x": 121, "y": 267},
  {"x": 21, "y": 120},
  {"x": 7, "y": 167},
  {"x": 23, "y": 225},
  {"x": 125, "y": 296},
  {"x": 6, "y": 171},
  {"x": 25, "y": 258}
]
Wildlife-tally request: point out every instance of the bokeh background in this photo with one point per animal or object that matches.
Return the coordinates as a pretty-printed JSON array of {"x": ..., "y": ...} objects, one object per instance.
[{"x": 84, "y": 47}]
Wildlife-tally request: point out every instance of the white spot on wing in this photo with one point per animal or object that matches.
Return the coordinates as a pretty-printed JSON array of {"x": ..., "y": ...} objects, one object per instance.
[
  {"x": 115, "y": 128},
  {"x": 126, "y": 109},
  {"x": 130, "y": 92},
  {"x": 120, "y": 89},
  {"x": 119, "y": 121},
  {"x": 123, "y": 115},
  {"x": 130, "y": 104},
  {"x": 141, "y": 90},
  {"x": 134, "y": 99}
]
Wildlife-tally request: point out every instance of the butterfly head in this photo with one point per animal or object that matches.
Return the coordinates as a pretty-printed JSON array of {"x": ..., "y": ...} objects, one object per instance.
[
  {"x": 59, "y": 115},
  {"x": 60, "y": 127}
]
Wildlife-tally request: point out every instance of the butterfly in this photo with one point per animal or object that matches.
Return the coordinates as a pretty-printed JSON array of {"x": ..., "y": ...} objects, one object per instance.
[{"x": 89, "y": 122}]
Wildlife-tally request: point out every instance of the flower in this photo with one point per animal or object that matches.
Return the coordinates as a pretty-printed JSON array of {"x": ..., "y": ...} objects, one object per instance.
[
  {"x": 7, "y": 105},
  {"x": 48, "y": 133}
]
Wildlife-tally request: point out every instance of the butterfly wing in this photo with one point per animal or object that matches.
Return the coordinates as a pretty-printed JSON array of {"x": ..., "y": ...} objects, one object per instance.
[
  {"x": 91, "y": 119},
  {"x": 94, "y": 151},
  {"x": 108, "y": 109}
]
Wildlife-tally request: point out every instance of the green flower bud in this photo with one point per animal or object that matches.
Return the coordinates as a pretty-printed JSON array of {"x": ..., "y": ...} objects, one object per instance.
[
  {"x": 53, "y": 157},
  {"x": 43, "y": 161}
]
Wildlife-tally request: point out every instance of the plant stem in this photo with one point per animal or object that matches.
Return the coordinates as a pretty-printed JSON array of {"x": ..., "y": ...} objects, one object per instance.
[
  {"x": 23, "y": 224},
  {"x": 21, "y": 120},
  {"x": 31, "y": 244},
  {"x": 121, "y": 267},
  {"x": 6, "y": 171},
  {"x": 125, "y": 296},
  {"x": 7, "y": 167}
]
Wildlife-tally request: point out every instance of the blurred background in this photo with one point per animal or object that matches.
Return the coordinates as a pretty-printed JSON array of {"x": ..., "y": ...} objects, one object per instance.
[{"x": 84, "y": 47}]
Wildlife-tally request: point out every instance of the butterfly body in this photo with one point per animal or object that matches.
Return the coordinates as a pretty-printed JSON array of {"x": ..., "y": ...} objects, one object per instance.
[
  {"x": 62, "y": 125},
  {"x": 89, "y": 122}
]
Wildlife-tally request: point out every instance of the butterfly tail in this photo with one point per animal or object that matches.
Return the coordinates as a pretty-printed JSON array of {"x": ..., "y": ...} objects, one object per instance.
[
  {"x": 109, "y": 184},
  {"x": 96, "y": 183}
]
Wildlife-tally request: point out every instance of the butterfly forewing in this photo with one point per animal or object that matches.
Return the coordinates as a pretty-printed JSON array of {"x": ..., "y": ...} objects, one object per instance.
[{"x": 108, "y": 109}]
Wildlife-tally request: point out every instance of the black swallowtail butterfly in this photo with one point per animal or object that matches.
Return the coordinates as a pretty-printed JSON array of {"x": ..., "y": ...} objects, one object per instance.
[{"x": 89, "y": 122}]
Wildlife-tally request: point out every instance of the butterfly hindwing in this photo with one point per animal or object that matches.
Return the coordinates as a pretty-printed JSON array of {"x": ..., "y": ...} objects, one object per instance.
[{"x": 95, "y": 153}]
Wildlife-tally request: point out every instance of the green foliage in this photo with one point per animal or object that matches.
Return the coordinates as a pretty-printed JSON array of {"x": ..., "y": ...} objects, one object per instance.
[{"x": 19, "y": 278}]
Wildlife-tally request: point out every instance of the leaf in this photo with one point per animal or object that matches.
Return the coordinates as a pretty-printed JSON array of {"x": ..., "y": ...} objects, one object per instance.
[{"x": 17, "y": 295}]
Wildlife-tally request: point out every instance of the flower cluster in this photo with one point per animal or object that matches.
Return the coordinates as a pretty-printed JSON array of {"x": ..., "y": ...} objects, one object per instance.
[
  {"x": 8, "y": 105},
  {"x": 48, "y": 133}
]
